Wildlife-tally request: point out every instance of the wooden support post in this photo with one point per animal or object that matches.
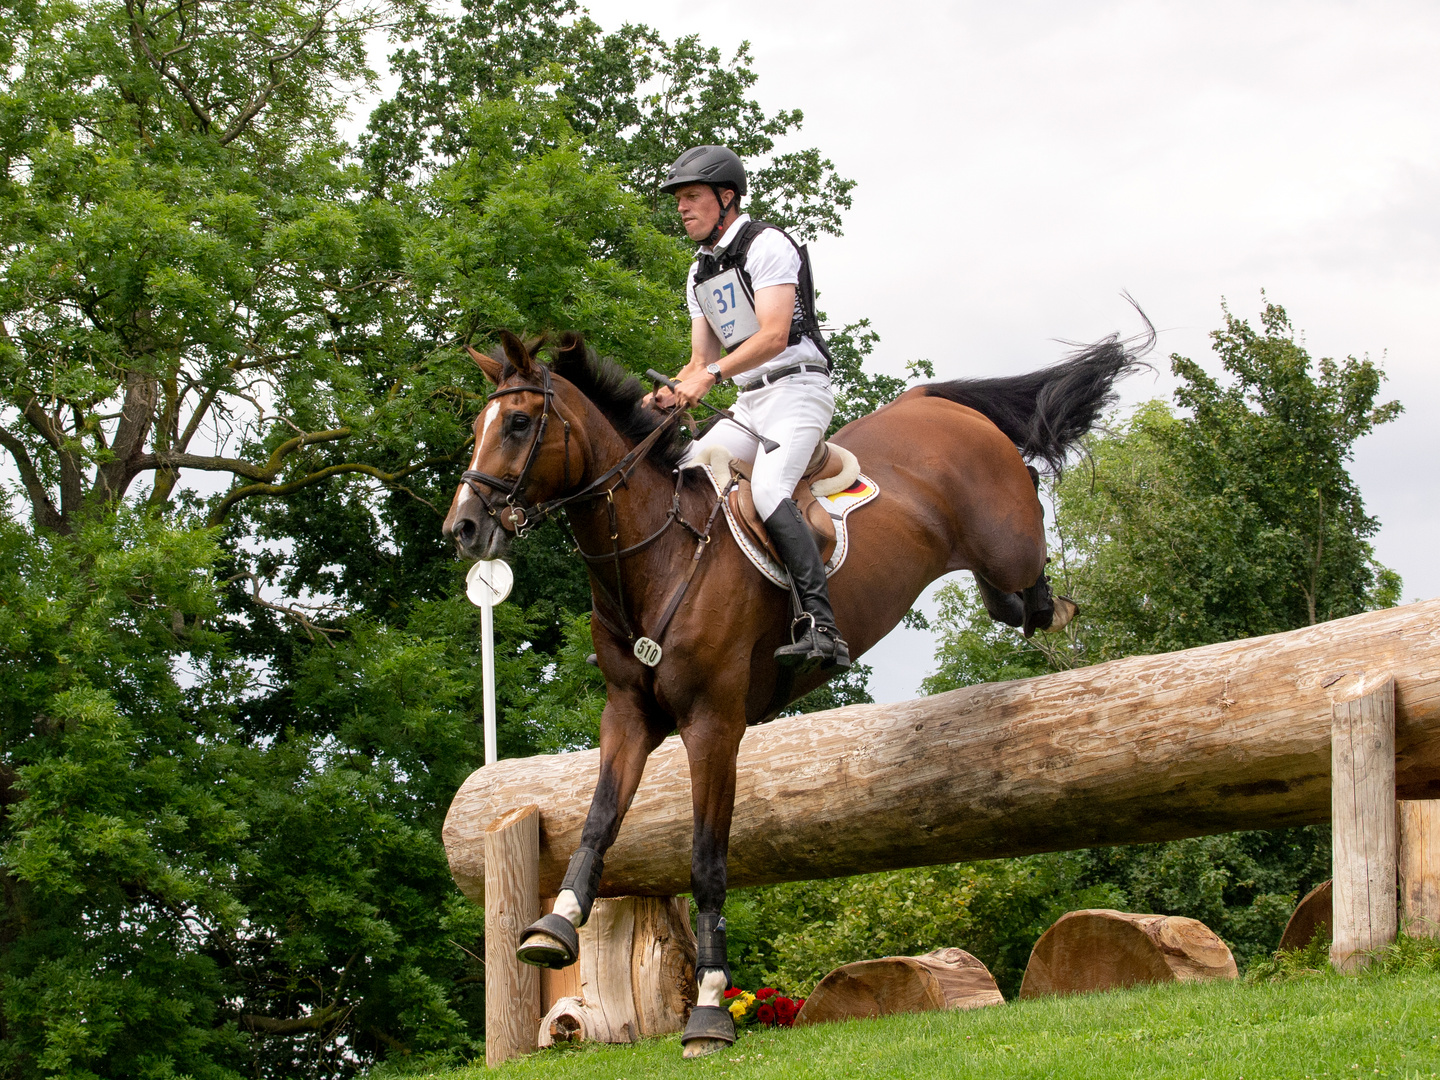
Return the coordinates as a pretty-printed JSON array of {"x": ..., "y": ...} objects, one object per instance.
[
  {"x": 1362, "y": 808},
  {"x": 1420, "y": 867},
  {"x": 512, "y": 902}
]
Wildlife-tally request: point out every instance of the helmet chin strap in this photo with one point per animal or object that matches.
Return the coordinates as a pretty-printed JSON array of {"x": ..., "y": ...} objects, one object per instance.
[{"x": 725, "y": 210}]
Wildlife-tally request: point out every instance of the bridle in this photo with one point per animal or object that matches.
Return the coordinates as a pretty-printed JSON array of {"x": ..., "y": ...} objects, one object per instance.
[
  {"x": 522, "y": 518},
  {"x": 526, "y": 516}
]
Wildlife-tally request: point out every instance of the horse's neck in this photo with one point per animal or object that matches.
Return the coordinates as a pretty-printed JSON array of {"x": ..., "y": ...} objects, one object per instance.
[{"x": 640, "y": 507}]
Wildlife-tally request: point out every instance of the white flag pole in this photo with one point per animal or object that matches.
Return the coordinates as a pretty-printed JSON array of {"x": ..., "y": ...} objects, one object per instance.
[
  {"x": 487, "y": 646},
  {"x": 488, "y": 583}
]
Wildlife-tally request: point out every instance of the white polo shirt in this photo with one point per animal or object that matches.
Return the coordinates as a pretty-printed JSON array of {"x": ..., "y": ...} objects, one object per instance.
[{"x": 771, "y": 260}]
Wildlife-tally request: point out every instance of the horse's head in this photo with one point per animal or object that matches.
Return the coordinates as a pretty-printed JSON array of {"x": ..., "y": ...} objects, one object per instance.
[{"x": 525, "y": 453}]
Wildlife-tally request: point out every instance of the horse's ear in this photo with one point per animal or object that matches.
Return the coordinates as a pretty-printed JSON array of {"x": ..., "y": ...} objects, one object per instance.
[
  {"x": 517, "y": 354},
  {"x": 488, "y": 364}
]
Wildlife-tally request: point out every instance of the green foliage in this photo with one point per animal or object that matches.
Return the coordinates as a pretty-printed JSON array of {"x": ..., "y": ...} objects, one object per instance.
[
  {"x": 635, "y": 100},
  {"x": 177, "y": 893},
  {"x": 1405, "y": 955}
]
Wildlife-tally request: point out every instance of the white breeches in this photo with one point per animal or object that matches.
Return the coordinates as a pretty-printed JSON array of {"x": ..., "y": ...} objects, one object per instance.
[{"x": 795, "y": 413}]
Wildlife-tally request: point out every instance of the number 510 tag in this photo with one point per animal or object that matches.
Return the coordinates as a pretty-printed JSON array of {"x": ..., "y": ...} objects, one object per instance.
[{"x": 648, "y": 652}]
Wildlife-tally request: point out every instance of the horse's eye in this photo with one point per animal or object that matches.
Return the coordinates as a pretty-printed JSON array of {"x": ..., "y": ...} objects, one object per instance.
[{"x": 519, "y": 421}]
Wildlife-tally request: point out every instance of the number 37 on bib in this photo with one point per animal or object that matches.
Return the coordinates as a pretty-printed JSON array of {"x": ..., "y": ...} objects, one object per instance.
[{"x": 727, "y": 307}]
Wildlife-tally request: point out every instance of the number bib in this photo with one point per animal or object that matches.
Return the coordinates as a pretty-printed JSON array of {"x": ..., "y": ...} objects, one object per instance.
[{"x": 727, "y": 308}]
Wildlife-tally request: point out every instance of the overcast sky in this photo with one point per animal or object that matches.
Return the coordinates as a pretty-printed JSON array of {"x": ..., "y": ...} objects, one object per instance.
[{"x": 1021, "y": 164}]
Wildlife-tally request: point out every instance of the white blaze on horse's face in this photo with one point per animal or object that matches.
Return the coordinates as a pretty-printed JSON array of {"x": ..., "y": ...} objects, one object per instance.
[{"x": 493, "y": 411}]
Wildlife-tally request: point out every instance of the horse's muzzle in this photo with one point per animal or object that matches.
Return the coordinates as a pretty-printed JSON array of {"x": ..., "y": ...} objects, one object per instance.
[{"x": 478, "y": 536}]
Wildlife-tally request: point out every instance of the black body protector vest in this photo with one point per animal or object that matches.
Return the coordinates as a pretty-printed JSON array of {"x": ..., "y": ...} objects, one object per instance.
[{"x": 726, "y": 296}]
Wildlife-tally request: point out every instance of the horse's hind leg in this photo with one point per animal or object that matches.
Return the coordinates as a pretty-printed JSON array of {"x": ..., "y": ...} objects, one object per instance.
[
  {"x": 628, "y": 732},
  {"x": 1005, "y": 607},
  {"x": 711, "y": 744}
]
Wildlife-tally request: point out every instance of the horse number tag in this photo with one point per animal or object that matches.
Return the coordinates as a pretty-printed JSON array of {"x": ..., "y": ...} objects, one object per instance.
[{"x": 648, "y": 652}]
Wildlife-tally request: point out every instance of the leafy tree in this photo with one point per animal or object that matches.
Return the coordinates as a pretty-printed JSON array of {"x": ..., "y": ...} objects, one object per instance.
[
  {"x": 636, "y": 100},
  {"x": 225, "y": 752},
  {"x": 181, "y": 899}
]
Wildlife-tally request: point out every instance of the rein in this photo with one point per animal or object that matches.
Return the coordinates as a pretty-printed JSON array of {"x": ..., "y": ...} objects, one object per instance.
[{"x": 523, "y": 517}]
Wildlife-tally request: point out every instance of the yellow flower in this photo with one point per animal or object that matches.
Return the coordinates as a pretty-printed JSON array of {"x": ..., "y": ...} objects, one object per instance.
[{"x": 740, "y": 1003}]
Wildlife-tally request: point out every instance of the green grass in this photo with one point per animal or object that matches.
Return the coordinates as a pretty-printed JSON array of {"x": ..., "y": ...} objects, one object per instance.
[{"x": 1373, "y": 1025}]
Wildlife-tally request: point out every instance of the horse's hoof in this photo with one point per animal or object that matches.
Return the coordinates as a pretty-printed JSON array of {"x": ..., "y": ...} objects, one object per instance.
[
  {"x": 1066, "y": 611},
  {"x": 701, "y": 1047},
  {"x": 549, "y": 942},
  {"x": 710, "y": 1028}
]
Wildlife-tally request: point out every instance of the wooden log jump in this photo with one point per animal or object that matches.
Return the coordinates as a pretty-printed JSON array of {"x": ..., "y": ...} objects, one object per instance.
[{"x": 1209, "y": 740}]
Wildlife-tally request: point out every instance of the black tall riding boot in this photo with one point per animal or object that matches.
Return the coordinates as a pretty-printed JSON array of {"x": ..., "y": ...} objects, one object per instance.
[{"x": 819, "y": 644}]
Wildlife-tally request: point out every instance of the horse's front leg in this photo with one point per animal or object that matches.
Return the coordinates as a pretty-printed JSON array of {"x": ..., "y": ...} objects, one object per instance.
[
  {"x": 630, "y": 728},
  {"x": 711, "y": 743}
]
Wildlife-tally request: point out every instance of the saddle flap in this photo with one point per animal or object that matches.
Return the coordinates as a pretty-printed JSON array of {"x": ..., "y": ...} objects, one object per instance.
[{"x": 742, "y": 503}]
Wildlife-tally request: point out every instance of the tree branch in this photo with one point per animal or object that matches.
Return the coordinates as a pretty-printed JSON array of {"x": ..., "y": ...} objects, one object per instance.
[
  {"x": 251, "y": 491},
  {"x": 45, "y": 513},
  {"x": 255, "y": 104},
  {"x": 300, "y": 1025},
  {"x": 137, "y": 33},
  {"x": 292, "y": 611}
]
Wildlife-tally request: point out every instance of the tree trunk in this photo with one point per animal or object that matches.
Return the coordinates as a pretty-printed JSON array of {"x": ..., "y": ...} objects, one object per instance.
[
  {"x": 1210, "y": 740},
  {"x": 1098, "y": 949},
  {"x": 943, "y": 979}
]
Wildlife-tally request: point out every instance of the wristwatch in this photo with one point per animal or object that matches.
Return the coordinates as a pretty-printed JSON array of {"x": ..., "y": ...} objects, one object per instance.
[{"x": 714, "y": 369}]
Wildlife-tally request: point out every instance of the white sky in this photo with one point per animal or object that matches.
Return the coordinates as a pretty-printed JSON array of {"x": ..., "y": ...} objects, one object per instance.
[{"x": 1020, "y": 164}]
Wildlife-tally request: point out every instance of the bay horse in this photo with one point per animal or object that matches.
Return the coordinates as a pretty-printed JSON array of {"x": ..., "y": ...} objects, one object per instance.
[{"x": 949, "y": 459}]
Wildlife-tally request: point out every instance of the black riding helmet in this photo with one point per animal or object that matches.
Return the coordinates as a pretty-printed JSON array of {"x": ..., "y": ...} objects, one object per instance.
[{"x": 712, "y": 165}]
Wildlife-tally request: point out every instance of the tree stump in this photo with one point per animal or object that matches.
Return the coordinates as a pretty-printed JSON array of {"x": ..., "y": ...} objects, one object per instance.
[
  {"x": 635, "y": 976},
  {"x": 943, "y": 979},
  {"x": 1313, "y": 915},
  {"x": 1099, "y": 949}
]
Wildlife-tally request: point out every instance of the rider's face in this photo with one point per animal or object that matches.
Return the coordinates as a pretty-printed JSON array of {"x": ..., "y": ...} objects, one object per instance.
[{"x": 698, "y": 209}]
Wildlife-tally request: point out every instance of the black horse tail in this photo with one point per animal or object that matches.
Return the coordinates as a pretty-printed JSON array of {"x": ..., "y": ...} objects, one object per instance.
[{"x": 1045, "y": 413}]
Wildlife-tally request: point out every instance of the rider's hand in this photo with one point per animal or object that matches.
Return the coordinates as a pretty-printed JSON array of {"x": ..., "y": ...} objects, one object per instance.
[{"x": 689, "y": 391}]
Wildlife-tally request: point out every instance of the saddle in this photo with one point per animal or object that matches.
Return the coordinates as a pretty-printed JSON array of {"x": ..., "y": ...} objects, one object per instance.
[{"x": 831, "y": 469}]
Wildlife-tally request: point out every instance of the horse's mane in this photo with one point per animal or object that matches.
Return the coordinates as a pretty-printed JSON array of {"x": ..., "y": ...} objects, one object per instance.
[{"x": 617, "y": 394}]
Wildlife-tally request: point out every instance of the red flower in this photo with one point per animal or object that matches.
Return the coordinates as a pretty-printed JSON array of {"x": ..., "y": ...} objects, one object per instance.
[
  {"x": 785, "y": 1011},
  {"x": 734, "y": 991},
  {"x": 764, "y": 992},
  {"x": 765, "y": 1013}
]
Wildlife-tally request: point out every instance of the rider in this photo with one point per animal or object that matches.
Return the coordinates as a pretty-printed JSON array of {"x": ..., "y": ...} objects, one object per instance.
[{"x": 752, "y": 319}]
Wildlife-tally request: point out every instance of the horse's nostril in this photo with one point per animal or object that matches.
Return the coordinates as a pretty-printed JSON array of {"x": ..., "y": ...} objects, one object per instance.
[{"x": 464, "y": 531}]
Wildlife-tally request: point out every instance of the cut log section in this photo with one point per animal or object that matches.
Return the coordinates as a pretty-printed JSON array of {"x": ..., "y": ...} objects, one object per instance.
[
  {"x": 1099, "y": 949},
  {"x": 635, "y": 976},
  {"x": 1420, "y": 867},
  {"x": 1210, "y": 740},
  {"x": 943, "y": 979},
  {"x": 1313, "y": 915}
]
